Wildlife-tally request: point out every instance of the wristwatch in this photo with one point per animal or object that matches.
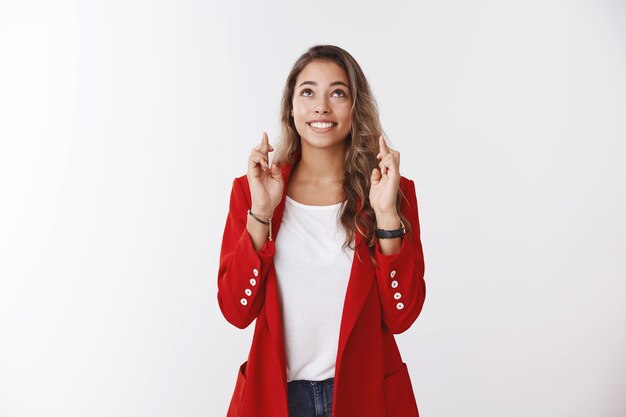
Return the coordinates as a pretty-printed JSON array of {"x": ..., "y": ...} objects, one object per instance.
[{"x": 387, "y": 234}]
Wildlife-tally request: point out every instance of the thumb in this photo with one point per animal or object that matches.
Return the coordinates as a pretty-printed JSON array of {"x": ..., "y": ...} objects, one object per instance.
[
  {"x": 275, "y": 171},
  {"x": 376, "y": 176}
]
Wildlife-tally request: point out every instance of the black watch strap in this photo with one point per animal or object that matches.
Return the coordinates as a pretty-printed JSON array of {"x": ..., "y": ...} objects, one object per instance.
[{"x": 387, "y": 234}]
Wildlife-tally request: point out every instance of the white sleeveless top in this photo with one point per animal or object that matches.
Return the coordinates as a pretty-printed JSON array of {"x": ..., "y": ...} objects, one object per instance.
[{"x": 312, "y": 272}]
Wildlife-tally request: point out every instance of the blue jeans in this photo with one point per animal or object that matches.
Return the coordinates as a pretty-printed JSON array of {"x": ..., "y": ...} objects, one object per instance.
[{"x": 310, "y": 398}]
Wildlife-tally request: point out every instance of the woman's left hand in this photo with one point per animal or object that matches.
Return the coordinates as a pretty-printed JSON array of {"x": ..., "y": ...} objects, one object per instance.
[{"x": 385, "y": 180}]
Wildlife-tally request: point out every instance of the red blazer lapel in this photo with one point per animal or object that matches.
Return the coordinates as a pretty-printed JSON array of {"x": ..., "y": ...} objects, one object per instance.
[
  {"x": 361, "y": 280},
  {"x": 272, "y": 303}
]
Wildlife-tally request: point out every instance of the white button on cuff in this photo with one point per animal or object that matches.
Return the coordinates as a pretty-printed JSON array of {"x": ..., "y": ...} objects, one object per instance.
[
  {"x": 252, "y": 282},
  {"x": 256, "y": 272},
  {"x": 248, "y": 292},
  {"x": 244, "y": 301},
  {"x": 399, "y": 306},
  {"x": 397, "y": 296},
  {"x": 393, "y": 273},
  {"x": 394, "y": 284}
]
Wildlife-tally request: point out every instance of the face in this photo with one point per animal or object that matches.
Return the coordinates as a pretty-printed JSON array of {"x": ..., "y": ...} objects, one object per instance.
[{"x": 321, "y": 104}]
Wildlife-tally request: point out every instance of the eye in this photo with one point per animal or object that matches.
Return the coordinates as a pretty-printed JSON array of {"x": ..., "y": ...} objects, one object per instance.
[{"x": 308, "y": 90}]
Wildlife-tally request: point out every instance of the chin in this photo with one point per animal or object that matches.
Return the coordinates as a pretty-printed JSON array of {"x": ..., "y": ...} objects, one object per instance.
[{"x": 322, "y": 142}]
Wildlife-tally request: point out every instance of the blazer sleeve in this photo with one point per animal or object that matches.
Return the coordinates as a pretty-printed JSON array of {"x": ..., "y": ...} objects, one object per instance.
[
  {"x": 242, "y": 270},
  {"x": 400, "y": 276}
]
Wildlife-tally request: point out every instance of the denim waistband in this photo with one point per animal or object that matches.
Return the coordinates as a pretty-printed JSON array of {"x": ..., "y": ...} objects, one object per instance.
[
  {"x": 324, "y": 382},
  {"x": 310, "y": 398}
]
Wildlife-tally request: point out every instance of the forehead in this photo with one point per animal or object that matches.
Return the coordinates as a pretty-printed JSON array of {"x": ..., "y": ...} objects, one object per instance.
[{"x": 323, "y": 72}]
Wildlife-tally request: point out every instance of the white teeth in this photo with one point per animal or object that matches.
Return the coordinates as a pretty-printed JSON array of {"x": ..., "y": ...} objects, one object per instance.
[{"x": 322, "y": 125}]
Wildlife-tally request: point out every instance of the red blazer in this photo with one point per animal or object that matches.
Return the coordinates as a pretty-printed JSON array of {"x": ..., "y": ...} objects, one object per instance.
[{"x": 371, "y": 380}]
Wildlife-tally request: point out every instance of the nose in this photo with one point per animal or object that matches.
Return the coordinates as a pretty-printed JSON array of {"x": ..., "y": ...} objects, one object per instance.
[{"x": 321, "y": 106}]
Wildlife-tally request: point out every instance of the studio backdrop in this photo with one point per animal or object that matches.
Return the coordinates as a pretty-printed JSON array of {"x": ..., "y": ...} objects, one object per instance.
[{"x": 124, "y": 123}]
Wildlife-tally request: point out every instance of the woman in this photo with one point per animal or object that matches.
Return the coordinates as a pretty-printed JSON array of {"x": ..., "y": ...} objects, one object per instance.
[{"x": 323, "y": 340}]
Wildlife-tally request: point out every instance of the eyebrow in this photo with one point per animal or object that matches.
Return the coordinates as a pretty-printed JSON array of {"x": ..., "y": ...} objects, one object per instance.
[{"x": 331, "y": 84}]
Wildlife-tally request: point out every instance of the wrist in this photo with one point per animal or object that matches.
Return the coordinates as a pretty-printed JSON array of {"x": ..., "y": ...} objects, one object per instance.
[
  {"x": 261, "y": 212},
  {"x": 260, "y": 218},
  {"x": 388, "y": 221}
]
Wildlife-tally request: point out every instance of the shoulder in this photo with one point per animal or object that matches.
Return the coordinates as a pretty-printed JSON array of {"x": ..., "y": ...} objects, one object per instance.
[
  {"x": 241, "y": 180},
  {"x": 404, "y": 181},
  {"x": 407, "y": 189},
  {"x": 406, "y": 184},
  {"x": 240, "y": 191}
]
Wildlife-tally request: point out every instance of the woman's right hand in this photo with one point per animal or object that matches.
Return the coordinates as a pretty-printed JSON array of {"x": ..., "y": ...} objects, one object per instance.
[{"x": 265, "y": 182}]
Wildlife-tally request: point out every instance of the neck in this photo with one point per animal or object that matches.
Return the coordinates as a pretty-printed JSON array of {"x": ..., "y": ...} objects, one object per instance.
[{"x": 321, "y": 165}]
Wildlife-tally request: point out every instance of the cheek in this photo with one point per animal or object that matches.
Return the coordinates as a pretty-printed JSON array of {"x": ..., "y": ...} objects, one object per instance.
[
  {"x": 300, "y": 121},
  {"x": 347, "y": 119},
  {"x": 345, "y": 111}
]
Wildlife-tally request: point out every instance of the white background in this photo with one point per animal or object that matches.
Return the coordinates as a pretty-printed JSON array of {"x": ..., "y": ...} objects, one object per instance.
[{"x": 122, "y": 125}]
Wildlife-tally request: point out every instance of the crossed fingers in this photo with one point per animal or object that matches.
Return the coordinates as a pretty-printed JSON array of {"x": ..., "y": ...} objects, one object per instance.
[
  {"x": 389, "y": 158},
  {"x": 259, "y": 154}
]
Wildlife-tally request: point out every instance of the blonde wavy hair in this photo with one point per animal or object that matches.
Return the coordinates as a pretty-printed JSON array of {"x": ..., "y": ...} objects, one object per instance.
[{"x": 361, "y": 147}]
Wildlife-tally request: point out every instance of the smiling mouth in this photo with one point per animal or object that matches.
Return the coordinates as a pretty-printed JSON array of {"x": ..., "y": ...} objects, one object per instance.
[{"x": 322, "y": 126}]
